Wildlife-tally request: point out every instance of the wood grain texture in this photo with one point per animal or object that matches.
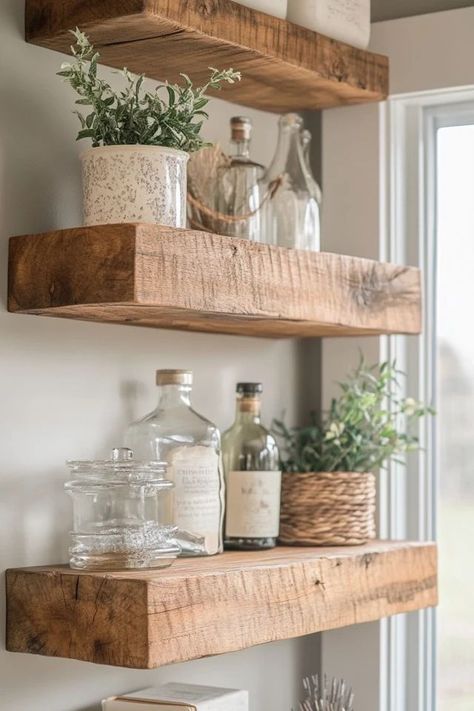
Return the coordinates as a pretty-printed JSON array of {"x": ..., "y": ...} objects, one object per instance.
[
  {"x": 285, "y": 67},
  {"x": 201, "y": 607},
  {"x": 162, "y": 277}
]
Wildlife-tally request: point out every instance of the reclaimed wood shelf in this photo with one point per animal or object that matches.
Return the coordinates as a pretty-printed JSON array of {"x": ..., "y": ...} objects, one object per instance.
[
  {"x": 285, "y": 67},
  {"x": 156, "y": 276},
  {"x": 209, "y": 606}
]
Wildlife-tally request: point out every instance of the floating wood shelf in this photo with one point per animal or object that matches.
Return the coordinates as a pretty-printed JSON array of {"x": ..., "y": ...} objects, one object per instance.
[
  {"x": 285, "y": 67},
  {"x": 210, "y": 606},
  {"x": 157, "y": 276}
]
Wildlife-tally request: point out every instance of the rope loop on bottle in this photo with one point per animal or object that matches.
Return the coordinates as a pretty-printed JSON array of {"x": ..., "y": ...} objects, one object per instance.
[{"x": 216, "y": 216}]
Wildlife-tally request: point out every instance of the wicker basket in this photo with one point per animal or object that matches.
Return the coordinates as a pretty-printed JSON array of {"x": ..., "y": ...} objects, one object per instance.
[{"x": 327, "y": 509}]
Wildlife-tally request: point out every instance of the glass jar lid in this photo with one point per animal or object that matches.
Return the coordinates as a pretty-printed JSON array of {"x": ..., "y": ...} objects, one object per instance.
[{"x": 121, "y": 468}]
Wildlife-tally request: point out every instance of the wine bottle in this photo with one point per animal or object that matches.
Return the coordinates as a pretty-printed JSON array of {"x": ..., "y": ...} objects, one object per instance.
[{"x": 253, "y": 476}]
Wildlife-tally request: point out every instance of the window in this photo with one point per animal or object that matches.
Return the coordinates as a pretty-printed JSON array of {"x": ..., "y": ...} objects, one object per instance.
[{"x": 455, "y": 404}]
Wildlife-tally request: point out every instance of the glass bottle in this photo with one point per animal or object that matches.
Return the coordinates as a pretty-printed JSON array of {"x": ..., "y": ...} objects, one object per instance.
[
  {"x": 190, "y": 445},
  {"x": 292, "y": 216},
  {"x": 117, "y": 520},
  {"x": 238, "y": 186},
  {"x": 253, "y": 476},
  {"x": 306, "y": 139}
]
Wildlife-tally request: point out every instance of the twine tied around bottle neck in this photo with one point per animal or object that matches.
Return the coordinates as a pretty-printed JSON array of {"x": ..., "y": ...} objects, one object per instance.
[{"x": 216, "y": 216}]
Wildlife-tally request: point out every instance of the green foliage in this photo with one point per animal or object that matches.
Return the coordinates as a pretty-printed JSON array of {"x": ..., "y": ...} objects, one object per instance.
[
  {"x": 133, "y": 115},
  {"x": 368, "y": 424}
]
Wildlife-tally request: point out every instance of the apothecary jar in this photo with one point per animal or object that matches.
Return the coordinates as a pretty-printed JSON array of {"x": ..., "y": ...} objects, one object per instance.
[{"x": 117, "y": 506}]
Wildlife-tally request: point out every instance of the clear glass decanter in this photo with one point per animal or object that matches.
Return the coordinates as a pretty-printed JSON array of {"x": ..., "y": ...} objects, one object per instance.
[
  {"x": 117, "y": 521},
  {"x": 238, "y": 186},
  {"x": 190, "y": 445},
  {"x": 292, "y": 216},
  {"x": 253, "y": 476},
  {"x": 306, "y": 138}
]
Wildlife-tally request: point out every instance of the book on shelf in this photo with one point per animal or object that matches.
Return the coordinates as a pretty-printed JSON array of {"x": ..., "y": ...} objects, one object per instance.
[{"x": 180, "y": 697}]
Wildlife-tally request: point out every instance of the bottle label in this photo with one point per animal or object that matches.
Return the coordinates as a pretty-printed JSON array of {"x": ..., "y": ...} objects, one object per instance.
[
  {"x": 253, "y": 504},
  {"x": 197, "y": 507}
]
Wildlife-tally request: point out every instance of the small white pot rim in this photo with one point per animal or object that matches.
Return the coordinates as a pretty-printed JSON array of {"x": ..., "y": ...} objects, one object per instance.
[{"x": 119, "y": 148}]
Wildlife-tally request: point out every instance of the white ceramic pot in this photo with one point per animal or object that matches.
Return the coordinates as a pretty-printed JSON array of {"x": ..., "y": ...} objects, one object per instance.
[
  {"x": 134, "y": 184},
  {"x": 344, "y": 20},
  {"x": 277, "y": 8}
]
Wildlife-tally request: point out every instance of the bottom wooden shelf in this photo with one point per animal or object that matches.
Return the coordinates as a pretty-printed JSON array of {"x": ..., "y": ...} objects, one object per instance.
[{"x": 207, "y": 606}]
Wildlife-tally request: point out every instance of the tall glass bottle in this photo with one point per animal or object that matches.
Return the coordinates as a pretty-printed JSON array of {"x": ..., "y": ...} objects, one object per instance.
[
  {"x": 306, "y": 138},
  {"x": 293, "y": 214},
  {"x": 190, "y": 445},
  {"x": 253, "y": 477},
  {"x": 238, "y": 186}
]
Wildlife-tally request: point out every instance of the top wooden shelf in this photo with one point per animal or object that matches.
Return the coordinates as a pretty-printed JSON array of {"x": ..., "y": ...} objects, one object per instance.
[{"x": 285, "y": 67}]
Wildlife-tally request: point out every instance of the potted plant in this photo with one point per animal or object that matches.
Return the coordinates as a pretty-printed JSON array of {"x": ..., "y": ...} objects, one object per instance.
[
  {"x": 136, "y": 169},
  {"x": 328, "y": 485}
]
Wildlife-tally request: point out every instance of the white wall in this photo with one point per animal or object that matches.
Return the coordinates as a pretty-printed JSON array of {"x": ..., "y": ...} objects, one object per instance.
[
  {"x": 68, "y": 389},
  {"x": 351, "y": 226},
  {"x": 428, "y": 52},
  {"x": 391, "y": 9}
]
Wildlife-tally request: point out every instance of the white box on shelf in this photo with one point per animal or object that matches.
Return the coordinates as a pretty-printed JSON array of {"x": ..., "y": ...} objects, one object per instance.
[
  {"x": 344, "y": 20},
  {"x": 277, "y": 8},
  {"x": 184, "y": 697}
]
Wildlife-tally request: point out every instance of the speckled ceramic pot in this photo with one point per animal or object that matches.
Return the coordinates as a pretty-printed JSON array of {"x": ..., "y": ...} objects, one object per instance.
[{"x": 134, "y": 184}]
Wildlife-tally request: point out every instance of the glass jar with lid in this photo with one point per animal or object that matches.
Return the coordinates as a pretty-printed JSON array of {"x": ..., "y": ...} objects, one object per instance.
[{"x": 117, "y": 514}]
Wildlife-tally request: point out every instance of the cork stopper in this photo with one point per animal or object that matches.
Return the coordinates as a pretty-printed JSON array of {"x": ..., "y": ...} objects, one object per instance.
[
  {"x": 174, "y": 377},
  {"x": 241, "y": 128},
  {"x": 249, "y": 397},
  {"x": 250, "y": 404}
]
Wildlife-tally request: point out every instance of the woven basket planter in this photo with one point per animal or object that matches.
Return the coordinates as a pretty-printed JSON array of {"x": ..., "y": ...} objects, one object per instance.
[{"x": 327, "y": 509}]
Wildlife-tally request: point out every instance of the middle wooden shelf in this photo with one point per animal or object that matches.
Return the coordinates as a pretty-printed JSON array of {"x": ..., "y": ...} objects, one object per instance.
[
  {"x": 207, "y": 606},
  {"x": 149, "y": 275}
]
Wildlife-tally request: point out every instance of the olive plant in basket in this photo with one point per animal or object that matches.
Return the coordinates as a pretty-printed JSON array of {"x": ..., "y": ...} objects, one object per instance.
[
  {"x": 328, "y": 495},
  {"x": 136, "y": 170}
]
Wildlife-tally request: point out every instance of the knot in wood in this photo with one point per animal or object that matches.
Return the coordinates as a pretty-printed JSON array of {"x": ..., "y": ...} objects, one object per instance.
[
  {"x": 370, "y": 290},
  {"x": 320, "y": 584},
  {"x": 367, "y": 560},
  {"x": 207, "y": 8},
  {"x": 339, "y": 66}
]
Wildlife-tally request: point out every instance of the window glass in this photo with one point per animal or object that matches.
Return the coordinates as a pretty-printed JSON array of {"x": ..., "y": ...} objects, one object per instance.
[{"x": 455, "y": 351}]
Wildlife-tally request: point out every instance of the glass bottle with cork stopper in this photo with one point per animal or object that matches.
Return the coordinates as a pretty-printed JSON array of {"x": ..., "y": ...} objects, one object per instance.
[
  {"x": 238, "y": 186},
  {"x": 253, "y": 476},
  {"x": 190, "y": 445}
]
